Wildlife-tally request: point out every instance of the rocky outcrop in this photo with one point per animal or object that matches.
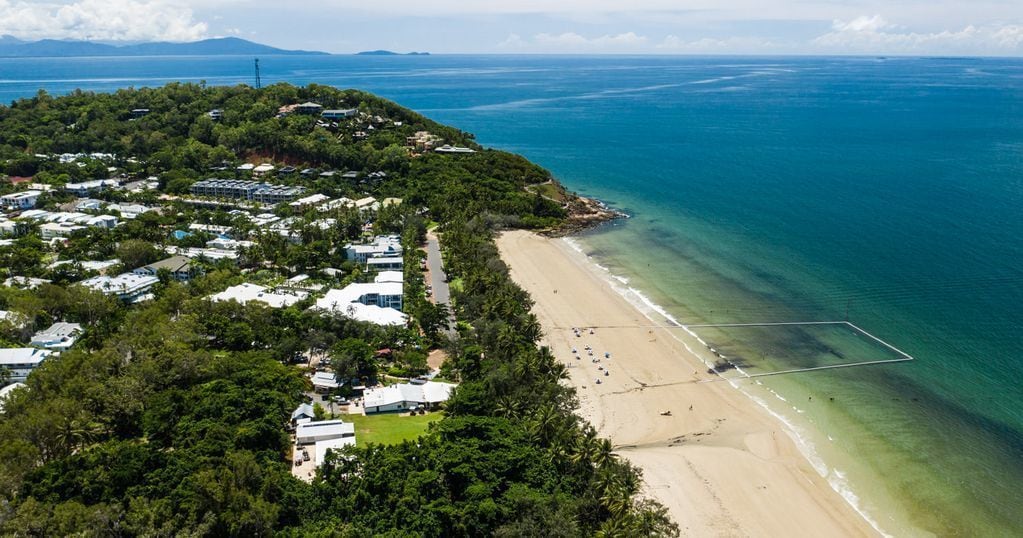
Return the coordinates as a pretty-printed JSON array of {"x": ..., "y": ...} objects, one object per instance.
[{"x": 583, "y": 214}]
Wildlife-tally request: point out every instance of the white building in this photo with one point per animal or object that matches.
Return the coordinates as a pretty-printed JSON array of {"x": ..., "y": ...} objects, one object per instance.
[
  {"x": 312, "y": 432},
  {"x": 383, "y": 246},
  {"x": 20, "y": 200},
  {"x": 63, "y": 224},
  {"x": 83, "y": 188},
  {"x": 382, "y": 294},
  {"x": 454, "y": 149},
  {"x": 224, "y": 243},
  {"x": 340, "y": 114},
  {"x": 212, "y": 254},
  {"x": 180, "y": 267},
  {"x": 389, "y": 276},
  {"x": 87, "y": 265},
  {"x": 88, "y": 204},
  {"x": 386, "y": 263},
  {"x": 129, "y": 211},
  {"x": 324, "y": 381},
  {"x": 367, "y": 204},
  {"x": 310, "y": 200},
  {"x": 21, "y": 361},
  {"x": 128, "y": 287},
  {"x": 243, "y": 293},
  {"x": 9, "y": 227},
  {"x": 331, "y": 444},
  {"x": 302, "y": 414},
  {"x": 405, "y": 396},
  {"x": 336, "y": 204},
  {"x": 59, "y": 337},
  {"x": 209, "y": 228},
  {"x": 263, "y": 220},
  {"x": 377, "y": 302},
  {"x": 51, "y": 230},
  {"x": 25, "y": 282},
  {"x": 262, "y": 169},
  {"x": 60, "y": 224}
]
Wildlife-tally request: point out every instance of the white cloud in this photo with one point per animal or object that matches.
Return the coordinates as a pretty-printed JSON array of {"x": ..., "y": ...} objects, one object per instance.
[
  {"x": 573, "y": 39},
  {"x": 1010, "y": 37},
  {"x": 707, "y": 45},
  {"x": 513, "y": 41},
  {"x": 875, "y": 34},
  {"x": 108, "y": 20},
  {"x": 862, "y": 23},
  {"x": 573, "y": 42}
]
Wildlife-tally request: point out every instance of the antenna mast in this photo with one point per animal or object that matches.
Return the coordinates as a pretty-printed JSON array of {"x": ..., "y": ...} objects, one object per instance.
[{"x": 259, "y": 83}]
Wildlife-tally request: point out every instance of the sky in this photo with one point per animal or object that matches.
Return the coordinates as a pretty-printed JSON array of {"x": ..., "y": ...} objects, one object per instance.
[{"x": 914, "y": 27}]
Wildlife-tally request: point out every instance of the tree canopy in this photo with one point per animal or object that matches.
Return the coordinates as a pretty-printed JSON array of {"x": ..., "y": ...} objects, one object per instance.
[{"x": 170, "y": 417}]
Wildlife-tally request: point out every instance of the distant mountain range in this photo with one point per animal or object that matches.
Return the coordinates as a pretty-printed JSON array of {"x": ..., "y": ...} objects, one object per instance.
[
  {"x": 13, "y": 47},
  {"x": 390, "y": 53}
]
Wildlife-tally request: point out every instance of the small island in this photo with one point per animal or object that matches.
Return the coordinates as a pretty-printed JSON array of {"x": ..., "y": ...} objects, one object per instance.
[{"x": 390, "y": 53}]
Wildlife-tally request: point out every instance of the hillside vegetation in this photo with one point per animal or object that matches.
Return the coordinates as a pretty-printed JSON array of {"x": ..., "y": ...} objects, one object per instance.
[{"x": 169, "y": 417}]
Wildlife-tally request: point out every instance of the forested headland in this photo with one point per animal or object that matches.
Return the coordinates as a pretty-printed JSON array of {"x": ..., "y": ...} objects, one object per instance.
[{"x": 169, "y": 417}]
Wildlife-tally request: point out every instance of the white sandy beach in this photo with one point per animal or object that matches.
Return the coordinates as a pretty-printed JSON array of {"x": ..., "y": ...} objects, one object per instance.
[{"x": 724, "y": 468}]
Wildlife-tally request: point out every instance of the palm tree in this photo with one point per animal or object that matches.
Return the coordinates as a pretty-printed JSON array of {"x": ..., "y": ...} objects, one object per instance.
[
  {"x": 544, "y": 422},
  {"x": 531, "y": 329},
  {"x": 508, "y": 407},
  {"x": 616, "y": 527},
  {"x": 525, "y": 367},
  {"x": 615, "y": 493},
  {"x": 75, "y": 433},
  {"x": 582, "y": 450}
]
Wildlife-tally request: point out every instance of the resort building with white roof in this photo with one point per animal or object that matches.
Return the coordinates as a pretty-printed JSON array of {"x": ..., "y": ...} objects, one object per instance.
[
  {"x": 311, "y": 432},
  {"x": 59, "y": 337},
  {"x": 20, "y": 361},
  {"x": 405, "y": 396},
  {"x": 383, "y": 246},
  {"x": 243, "y": 293},
  {"x": 374, "y": 302},
  {"x": 128, "y": 287}
]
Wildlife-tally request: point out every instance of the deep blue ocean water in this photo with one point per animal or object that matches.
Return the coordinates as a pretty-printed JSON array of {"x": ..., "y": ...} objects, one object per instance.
[{"x": 885, "y": 190}]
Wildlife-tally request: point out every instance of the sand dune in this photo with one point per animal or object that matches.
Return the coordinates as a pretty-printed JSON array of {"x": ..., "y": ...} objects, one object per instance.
[{"x": 721, "y": 464}]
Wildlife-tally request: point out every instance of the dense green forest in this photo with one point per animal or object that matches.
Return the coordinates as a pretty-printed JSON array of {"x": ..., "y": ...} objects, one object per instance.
[{"x": 170, "y": 417}]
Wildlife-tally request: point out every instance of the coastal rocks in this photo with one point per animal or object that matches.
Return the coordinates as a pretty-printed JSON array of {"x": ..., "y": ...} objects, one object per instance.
[{"x": 583, "y": 214}]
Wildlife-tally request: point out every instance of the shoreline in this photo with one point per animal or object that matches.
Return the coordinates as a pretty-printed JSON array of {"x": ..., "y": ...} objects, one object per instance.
[{"x": 723, "y": 463}]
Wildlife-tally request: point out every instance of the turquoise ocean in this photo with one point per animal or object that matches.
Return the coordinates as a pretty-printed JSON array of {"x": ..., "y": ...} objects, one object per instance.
[{"x": 883, "y": 191}]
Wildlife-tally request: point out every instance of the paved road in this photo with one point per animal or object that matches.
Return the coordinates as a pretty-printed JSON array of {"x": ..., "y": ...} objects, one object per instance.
[
  {"x": 441, "y": 292},
  {"x": 438, "y": 279}
]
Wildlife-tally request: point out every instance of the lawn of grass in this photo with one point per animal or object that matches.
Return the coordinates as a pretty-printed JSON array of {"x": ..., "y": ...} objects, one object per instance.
[
  {"x": 548, "y": 190},
  {"x": 389, "y": 428}
]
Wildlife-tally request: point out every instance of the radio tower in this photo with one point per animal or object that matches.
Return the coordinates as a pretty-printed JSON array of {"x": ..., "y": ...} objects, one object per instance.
[{"x": 259, "y": 83}]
